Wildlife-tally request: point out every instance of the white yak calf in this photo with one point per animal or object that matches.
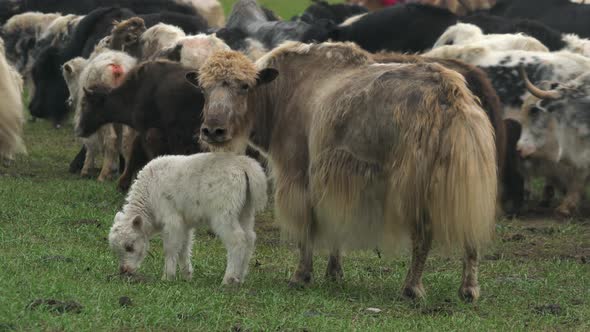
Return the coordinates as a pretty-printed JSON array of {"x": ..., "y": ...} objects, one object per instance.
[{"x": 174, "y": 194}]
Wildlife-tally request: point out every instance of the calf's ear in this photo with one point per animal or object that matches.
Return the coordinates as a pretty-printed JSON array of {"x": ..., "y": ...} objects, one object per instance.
[
  {"x": 137, "y": 222},
  {"x": 266, "y": 76},
  {"x": 193, "y": 78}
]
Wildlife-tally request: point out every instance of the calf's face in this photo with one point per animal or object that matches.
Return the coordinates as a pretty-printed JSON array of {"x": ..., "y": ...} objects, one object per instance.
[{"x": 128, "y": 241}]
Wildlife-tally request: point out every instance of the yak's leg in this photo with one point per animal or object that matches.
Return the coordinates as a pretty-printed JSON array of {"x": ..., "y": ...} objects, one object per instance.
[
  {"x": 235, "y": 241},
  {"x": 78, "y": 162},
  {"x": 571, "y": 200},
  {"x": 111, "y": 154},
  {"x": 548, "y": 194},
  {"x": 469, "y": 290},
  {"x": 136, "y": 162},
  {"x": 303, "y": 274},
  {"x": 334, "y": 269},
  {"x": 421, "y": 244},
  {"x": 88, "y": 162}
]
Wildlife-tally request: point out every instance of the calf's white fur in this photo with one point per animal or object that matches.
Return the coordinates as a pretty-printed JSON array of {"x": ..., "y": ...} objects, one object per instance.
[{"x": 174, "y": 194}]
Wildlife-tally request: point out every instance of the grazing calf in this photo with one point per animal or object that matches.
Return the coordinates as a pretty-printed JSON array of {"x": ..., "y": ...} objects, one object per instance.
[
  {"x": 469, "y": 34},
  {"x": 556, "y": 127},
  {"x": 107, "y": 69},
  {"x": 174, "y": 194},
  {"x": 11, "y": 109},
  {"x": 364, "y": 154},
  {"x": 156, "y": 101}
]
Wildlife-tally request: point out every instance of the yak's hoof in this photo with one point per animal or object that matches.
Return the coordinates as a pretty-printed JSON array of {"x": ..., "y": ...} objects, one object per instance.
[
  {"x": 334, "y": 274},
  {"x": 469, "y": 294},
  {"x": 413, "y": 293},
  {"x": 300, "y": 280},
  {"x": 123, "y": 186},
  {"x": 563, "y": 212}
]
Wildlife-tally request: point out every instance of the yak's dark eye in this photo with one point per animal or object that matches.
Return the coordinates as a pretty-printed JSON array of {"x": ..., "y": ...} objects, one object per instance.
[
  {"x": 535, "y": 110},
  {"x": 129, "y": 247},
  {"x": 449, "y": 42},
  {"x": 225, "y": 83},
  {"x": 244, "y": 87}
]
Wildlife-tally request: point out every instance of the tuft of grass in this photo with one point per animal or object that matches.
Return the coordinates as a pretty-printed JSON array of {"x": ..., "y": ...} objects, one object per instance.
[{"x": 53, "y": 245}]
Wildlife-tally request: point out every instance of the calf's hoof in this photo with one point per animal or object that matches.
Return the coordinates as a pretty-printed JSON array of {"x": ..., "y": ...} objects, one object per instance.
[
  {"x": 414, "y": 293},
  {"x": 168, "y": 277},
  {"x": 231, "y": 281},
  {"x": 469, "y": 294},
  {"x": 187, "y": 275}
]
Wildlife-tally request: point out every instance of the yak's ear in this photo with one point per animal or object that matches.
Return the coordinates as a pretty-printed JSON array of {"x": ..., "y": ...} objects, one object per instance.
[
  {"x": 266, "y": 76},
  {"x": 193, "y": 78},
  {"x": 137, "y": 222},
  {"x": 94, "y": 97}
]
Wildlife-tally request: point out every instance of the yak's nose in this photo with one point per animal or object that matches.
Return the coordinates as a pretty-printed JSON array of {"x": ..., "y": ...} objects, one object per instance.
[{"x": 215, "y": 134}]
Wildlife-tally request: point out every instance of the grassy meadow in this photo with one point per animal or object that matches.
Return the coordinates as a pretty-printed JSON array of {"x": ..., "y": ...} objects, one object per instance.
[{"x": 57, "y": 273}]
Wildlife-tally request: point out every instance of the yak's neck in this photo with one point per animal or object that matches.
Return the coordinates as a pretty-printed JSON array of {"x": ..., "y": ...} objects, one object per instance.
[
  {"x": 263, "y": 105},
  {"x": 119, "y": 108}
]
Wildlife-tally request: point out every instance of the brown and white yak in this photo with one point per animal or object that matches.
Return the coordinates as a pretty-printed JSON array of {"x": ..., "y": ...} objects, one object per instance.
[{"x": 364, "y": 154}]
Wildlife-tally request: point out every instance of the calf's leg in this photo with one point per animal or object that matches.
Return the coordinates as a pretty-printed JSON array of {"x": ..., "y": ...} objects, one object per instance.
[
  {"x": 469, "y": 291},
  {"x": 247, "y": 223},
  {"x": 174, "y": 239},
  {"x": 233, "y": 236},
  {"x": 184, "y": 262}
]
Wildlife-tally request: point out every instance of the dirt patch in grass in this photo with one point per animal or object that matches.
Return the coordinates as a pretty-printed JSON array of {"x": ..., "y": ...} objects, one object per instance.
[
  {"x": 548, "y": 309},
  {"x": 86, "y": 222},
  {"x": 56, "y": 258},
  {"x": 55, "y": 306},
  {"x": 543, "y": 239}
]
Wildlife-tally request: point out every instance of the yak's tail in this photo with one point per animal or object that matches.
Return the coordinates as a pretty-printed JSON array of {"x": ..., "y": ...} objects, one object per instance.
[{"x": 461, "y": 200}]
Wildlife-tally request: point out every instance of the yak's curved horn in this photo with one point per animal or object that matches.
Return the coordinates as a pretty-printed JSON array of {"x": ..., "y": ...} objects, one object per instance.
[{"x": 535, "y": 91}]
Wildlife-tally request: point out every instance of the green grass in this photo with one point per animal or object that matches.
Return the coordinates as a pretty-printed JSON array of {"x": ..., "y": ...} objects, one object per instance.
[{"x": 53, "y": 229}]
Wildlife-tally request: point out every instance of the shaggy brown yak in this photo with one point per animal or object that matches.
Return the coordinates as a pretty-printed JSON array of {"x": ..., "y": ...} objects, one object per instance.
[{"x": 363, "y": 154}]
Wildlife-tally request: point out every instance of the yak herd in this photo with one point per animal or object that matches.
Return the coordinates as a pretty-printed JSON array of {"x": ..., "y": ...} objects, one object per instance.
[{"x": 405, "y": 126}]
